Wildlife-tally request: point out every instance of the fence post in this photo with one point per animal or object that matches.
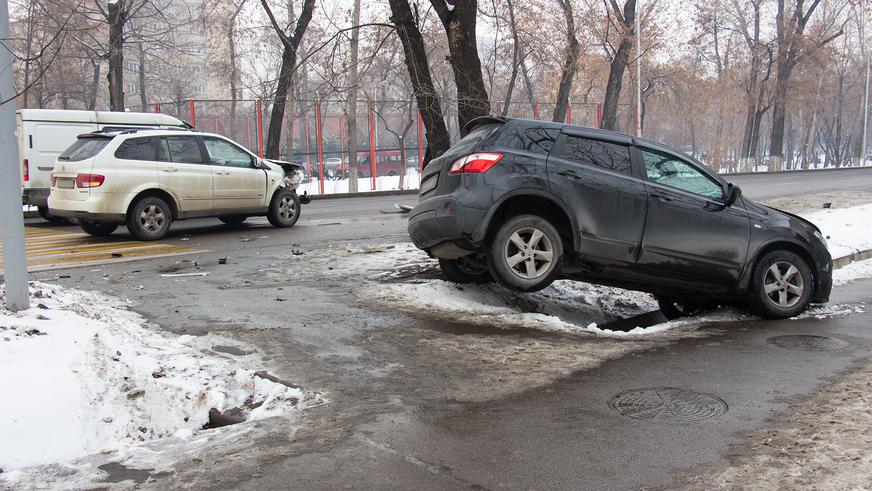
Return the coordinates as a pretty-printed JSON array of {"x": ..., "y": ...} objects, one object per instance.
[
  {"x": 372, "y": 143},
  {"x": 420, "y": 141},
  {"x": 536, "y": 110},
  {"x": 259, "y": 108},
  {"x": 156, "y": 107},
  {"x": 341, "y": 148},
  {"x": 320, "y": 147},
  {"x": 193, "y": 113},
  {"x": 308, "y": 151},
  {"x": 599, "y": 115}
]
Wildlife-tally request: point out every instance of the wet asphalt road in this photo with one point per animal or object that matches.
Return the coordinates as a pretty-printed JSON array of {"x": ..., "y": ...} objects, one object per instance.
[{"x": 394, "y": 421}]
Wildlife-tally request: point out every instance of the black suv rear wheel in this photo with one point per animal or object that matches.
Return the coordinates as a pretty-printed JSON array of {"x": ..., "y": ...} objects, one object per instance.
[{"x": 526, "y": 253}]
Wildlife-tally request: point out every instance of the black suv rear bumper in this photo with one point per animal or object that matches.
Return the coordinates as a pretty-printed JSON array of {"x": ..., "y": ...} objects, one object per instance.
[{"x": 442, "y": 220}]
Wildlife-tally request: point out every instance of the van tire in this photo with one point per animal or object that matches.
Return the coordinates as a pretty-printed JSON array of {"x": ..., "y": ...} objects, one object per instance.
[
  {"x": 149, "y": 218},
  {"x": 98, "y": 229},
  {"x": 46, "y": 215}
]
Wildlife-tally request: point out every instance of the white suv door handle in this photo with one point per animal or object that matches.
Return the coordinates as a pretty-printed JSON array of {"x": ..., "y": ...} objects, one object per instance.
[
  {"x": 224, "y": 173},
  {"x": 170, "y": 169}
]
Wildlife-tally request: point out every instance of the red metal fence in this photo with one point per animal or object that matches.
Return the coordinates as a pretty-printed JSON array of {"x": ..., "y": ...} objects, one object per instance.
[{"x": 390, "y": 136}]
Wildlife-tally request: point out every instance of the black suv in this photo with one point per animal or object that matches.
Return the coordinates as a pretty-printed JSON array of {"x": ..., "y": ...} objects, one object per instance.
[{"x": 527, "y": 202}]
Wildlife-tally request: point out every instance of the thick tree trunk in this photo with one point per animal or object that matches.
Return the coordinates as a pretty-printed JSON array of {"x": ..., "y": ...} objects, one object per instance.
[
  {"x": 517, "y": 56},
  {"x": 415, "y": 53},
  {"x": 95, "y": 84},
  {"x": 289, "y": 61},
  {"x": 351, "y": 105},
  {"x": 569, "y": 64},
  {"x": 117, "y": 19},
  {"x": 472, "y": 98},
  {"x": 776, "y": 135},
  {"x": 617, "y": 67}
]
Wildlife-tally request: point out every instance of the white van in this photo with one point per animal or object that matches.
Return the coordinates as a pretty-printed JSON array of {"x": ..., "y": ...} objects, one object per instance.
[{"x": 44, "y": 133}]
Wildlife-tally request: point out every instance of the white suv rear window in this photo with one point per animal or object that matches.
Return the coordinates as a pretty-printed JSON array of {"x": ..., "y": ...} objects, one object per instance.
[{"x": 84, "y": 148}]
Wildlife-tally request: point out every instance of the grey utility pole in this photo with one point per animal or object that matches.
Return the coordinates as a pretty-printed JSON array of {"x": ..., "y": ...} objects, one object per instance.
[{"x": 11, "y": 216}]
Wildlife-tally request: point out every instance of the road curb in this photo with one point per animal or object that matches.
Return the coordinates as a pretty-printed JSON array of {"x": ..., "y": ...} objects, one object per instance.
[
  {"x": 843, "y": 261},
  {"x": 829, "y": 169},
  {"x": 395, "y": 192}
]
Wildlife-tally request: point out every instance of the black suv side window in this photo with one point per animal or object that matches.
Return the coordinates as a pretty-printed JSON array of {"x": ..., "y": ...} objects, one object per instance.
[
  {"x": 609, "y": 156},
  {"x": 536, "y": 139},
  {"x": 674, "y": 172},
  {"x": 136, "y": 149},
  {"x": 180, "y": 149}
]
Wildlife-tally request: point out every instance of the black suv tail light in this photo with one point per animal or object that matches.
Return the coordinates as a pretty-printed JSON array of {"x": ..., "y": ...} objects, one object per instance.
[{"x": 478, "y": 163}]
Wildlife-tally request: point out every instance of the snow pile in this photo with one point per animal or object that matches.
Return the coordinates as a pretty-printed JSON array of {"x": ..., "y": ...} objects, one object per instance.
[
  {"x": 81, "y": 374},
  {"x": 848, "y": 230},
  {"x": 364, "y": 184},
  {"x": 567, "y": 306},
  {"x": 852, "y": 272}
]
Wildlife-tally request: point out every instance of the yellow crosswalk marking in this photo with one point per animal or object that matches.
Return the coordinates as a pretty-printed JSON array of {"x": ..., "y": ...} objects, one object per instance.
[{"x": 52, "y": 249}]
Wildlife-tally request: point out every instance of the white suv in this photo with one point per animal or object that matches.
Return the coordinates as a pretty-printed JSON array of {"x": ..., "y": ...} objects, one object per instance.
[{"x": 146, "y": 179}]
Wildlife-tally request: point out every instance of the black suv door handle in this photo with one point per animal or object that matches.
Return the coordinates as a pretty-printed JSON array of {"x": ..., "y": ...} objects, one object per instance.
[
  {"x": 661, "y": 197},
  {"x": 568, "y": 173}
]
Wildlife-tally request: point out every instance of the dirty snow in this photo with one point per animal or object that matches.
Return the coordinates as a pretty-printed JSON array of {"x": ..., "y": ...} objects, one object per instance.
[{"x": 82, "y": 374}]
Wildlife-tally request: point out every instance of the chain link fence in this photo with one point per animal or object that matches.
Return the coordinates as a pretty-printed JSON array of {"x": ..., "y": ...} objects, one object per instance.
[{"x": 389, "y": 136}]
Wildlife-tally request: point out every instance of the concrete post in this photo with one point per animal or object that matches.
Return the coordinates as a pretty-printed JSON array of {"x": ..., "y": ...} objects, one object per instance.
[{"x": 11, "y": 216}]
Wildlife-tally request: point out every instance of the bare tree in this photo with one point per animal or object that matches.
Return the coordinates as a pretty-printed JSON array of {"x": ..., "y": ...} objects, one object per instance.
[
  {"x": 351, "y": 105},
  {"x": 792, "y": 45},
  {"x": 418, "y": 67},
  {"x": 286, "y": 72},
  {"x": 569, "y": 65},
  {"x": 624, "y": 22},
  {"x": 459, "y": 25}
]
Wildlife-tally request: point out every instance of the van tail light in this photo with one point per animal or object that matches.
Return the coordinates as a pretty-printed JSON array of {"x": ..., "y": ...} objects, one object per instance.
[
  {"x": 89, "y": 180},
  {"x": 54, "y": 180},
  {"x": 26, "y": 175},
  {"x": 477, "y": 163}
]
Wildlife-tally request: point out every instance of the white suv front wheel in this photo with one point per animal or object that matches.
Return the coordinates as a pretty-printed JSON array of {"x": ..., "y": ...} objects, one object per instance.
[
  {"x": 284, "y": 209},
  {"x": 149, "y": 218}
]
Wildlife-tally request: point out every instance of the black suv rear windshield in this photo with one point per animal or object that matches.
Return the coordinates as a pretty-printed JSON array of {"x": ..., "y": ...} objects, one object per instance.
[{"x": 84, "y": 148}]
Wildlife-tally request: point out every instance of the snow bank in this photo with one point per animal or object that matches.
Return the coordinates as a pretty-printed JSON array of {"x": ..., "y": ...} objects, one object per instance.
[
  {"x": 848, "y": 230},
  {"x": 81, "y": 374},
  {"x": 852, "y": 272},
  {"x": 364, "y": 184}
]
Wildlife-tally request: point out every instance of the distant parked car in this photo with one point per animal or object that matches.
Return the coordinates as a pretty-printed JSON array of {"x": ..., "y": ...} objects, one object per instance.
[
  {"x": 526, "y": 202},
  {"x": 146, "y": 179}
]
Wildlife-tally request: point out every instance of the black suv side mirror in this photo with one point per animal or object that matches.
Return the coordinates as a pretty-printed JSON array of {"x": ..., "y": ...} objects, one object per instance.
[{"x": 733, "y": 194}]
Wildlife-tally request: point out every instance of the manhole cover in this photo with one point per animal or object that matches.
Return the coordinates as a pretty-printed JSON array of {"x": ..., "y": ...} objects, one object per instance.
[
  {"x": 668, "y": 405},
  {"x": 807, "y": 342}
]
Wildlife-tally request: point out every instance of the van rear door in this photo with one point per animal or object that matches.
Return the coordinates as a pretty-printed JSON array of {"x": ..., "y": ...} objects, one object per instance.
[{"x": 43, "y": 141}]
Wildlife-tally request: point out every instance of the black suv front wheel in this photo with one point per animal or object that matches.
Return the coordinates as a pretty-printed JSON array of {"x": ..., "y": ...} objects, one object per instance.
[
  {"x": 781, "y": 286},
  {"x": 526, "y": 253}
]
